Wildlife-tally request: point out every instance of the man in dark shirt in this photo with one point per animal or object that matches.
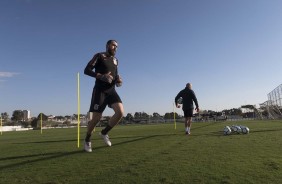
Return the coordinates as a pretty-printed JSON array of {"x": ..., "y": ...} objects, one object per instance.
[
  {"x": 104, "y": 93},
  {"x": 188, "y": 97}
]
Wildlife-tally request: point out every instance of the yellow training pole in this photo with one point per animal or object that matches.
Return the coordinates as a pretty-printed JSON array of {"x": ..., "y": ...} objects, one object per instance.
[
  {"x": 78, "y": 110},
  {"x": 174, "y": 116},
  {"x": 41, "y": 122},
  {"x": 1, "y": 124}
]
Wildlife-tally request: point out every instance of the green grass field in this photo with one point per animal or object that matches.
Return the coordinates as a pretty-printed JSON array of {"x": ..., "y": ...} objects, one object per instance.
[{"x": 145, "y": 154}]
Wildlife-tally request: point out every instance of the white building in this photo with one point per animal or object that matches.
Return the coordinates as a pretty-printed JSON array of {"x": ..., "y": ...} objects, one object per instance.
[{"x": 26, "y": 115}]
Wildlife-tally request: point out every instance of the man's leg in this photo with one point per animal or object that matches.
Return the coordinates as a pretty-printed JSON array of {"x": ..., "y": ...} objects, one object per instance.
[
  {"x": 115, "y": 119},
  {"x": 96, "y": 117},
  {"x": 186, "y": 125},
  {"x": 189, "y": 123},
  {"x": 91, "y": 125}
]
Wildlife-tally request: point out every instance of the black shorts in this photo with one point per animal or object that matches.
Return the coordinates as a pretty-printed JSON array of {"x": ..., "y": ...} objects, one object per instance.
[
  {"x": 188, "y": 113},
  {"x": 101, "y": 98}
]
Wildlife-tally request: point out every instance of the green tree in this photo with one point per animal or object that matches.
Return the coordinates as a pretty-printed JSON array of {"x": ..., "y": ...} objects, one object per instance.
[
  {"x": 59, "y": 117},
  {"x": 17, "y": 115},
  {"x": 68, "y": 117},
  {"x": 248, "y": 107},
  {"x": 156, "y": 115},
  {"x": 34, "y": 123},
  {"x": 75, "y": 116},
  {"x": 144, "y": 115},
  {"x": 5, "y": 116},
  {"x": 137, "y": 115},
  {"x": 129, "y": 117},
  {"x": 170, "y": 115},
  {"x": 141, "y": 115},
  {"x": 44, "y": 117}
]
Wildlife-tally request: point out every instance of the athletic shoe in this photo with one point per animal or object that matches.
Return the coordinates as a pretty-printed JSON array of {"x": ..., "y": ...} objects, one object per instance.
[
  {"x": 106, "y": 139},
  {"x": 87, "y": 146},
  {"x": 187, "y": 133}
]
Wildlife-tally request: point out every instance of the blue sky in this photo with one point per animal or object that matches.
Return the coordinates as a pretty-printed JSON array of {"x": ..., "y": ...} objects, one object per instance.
[{"x": 230, "y": 50}]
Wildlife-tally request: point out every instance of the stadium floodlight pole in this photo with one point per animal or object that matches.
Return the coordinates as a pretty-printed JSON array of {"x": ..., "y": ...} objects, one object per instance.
[
  {"x": 174, "y": 116},
  {"x": 78, "y": 110},
  {"x": 41, "y": 122}
]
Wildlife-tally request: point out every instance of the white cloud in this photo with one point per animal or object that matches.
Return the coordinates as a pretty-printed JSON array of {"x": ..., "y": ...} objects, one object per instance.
[{"x": 8, "y": 74}]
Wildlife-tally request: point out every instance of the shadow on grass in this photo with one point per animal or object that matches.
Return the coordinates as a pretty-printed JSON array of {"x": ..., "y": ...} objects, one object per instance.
[
  {"x": 267, "y": 130},
  {"x": 218, "y": 134},
  {"x": 55, "y": 155},
  {"x": 28, "y": 156},
  {"x": 207, "y": 125},
  {"x": 94, "y": 138},
  {"x": 141, "y": 138},
  {"x": 53, "y": 141},
  {"x": 49, "y": 156}
]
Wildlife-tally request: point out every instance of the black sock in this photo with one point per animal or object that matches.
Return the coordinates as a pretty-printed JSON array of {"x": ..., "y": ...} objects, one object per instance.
[
  {"x": 106, "y": 130},
  {"x": 87, "y": 138}
]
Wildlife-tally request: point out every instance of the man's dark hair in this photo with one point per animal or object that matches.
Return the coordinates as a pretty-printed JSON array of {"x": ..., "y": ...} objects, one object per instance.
[{"x": 110, "y": 41}]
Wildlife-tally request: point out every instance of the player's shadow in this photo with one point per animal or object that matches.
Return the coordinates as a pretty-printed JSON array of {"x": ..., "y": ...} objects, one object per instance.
[
  {"x": 139, "y": 138},
  {"x": 50, "y": 141},
  {"x": 217, "y": 134},
  {"x": 207, "y": 125},
  {"x": 268, "y": 130},
  {"x": 46, "y": 156},
  {"x": 28, "y": 156},
  {"x": 34, "y": 158}
]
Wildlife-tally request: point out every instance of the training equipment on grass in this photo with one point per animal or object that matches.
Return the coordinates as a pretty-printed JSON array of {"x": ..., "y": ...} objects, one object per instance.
[
  {"x": 236, "y": 129},
  {"x": 245, "y": 130},
  {"x": 227, "y": 130}
]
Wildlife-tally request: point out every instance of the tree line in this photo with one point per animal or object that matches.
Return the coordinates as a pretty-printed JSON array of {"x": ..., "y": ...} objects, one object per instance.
[{"x": 18, "y": 116}]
